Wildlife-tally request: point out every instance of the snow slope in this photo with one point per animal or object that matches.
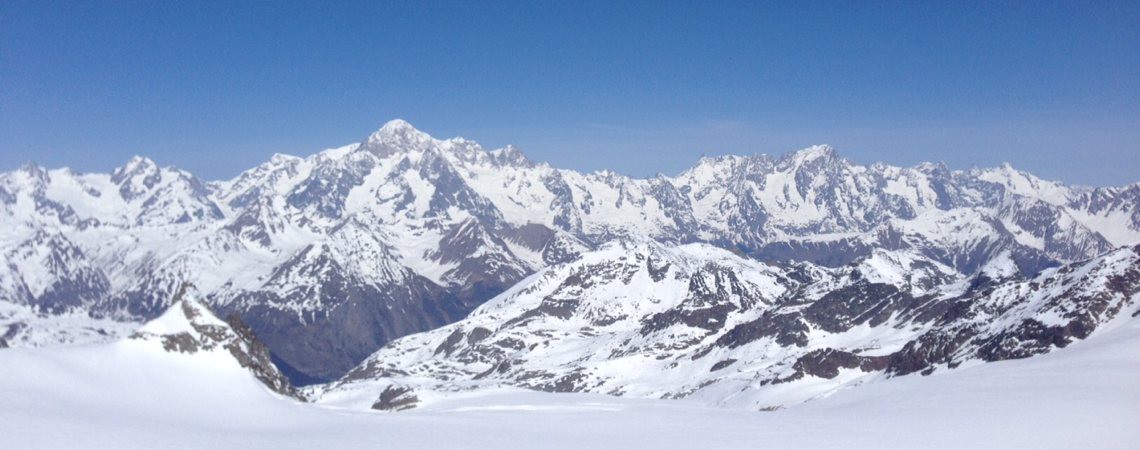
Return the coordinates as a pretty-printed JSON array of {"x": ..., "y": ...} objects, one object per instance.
[{"x": 132, "y": 395}]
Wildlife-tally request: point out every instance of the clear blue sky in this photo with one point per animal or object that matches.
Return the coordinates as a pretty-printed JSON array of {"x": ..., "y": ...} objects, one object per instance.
[{"x": 217, "y": 87}]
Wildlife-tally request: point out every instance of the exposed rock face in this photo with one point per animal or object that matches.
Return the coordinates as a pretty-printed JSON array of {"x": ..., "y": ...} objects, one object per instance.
[
  {"x": 331, "y": 256},
  {"x": 827, "y": 363},
  {"x": 641, "y": 319},
  {"x": 190, "y": 327},
  {"x": 10, "y": 332},
  {"x": 396, "y": 398}
]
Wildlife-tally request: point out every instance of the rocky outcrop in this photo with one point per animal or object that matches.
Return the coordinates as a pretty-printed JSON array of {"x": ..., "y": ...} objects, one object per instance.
[
  {"x": 396, "y": 398},
  {"x": 190, "y": 327}
]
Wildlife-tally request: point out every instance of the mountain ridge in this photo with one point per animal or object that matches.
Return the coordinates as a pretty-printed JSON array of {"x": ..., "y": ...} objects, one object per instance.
[
  {"x": 453, "y": 224},
  {"x": 645, "y": 320}
]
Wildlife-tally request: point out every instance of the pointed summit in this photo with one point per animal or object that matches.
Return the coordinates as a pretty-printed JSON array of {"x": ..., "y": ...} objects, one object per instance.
[
  {"x": 397, "y": 126},
  {"x": 134, "y": 166},
  {"x": 139, "y": 162},
  {"x": 398, "y": 130},
  {"x": 31, "y": 167},
  {"x": 814, "y": 157},
  {"x": 190, "y": 327},
  {"x": 395, "y": 136},
  {"x": 813, "y": 153},
  {"x": 186, "y": 315},
  {"x": 136, "y": 177},
  {"x": 35, "y": 171}
]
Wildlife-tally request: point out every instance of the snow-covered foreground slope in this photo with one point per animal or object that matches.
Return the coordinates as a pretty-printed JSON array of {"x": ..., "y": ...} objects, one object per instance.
[{"x": 135, "y": 395}]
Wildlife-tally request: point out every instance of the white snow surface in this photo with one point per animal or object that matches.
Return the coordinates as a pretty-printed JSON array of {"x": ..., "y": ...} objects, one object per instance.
[
  {"x": 30, "y": 328},
  {"x": 132, "y": 394},
  {"x": 175, "y": 320}
]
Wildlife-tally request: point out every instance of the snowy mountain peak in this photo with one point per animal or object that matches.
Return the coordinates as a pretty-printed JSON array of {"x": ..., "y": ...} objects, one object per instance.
[
  {"x": 396, "y": 126},
  {"x": 398, "y": 134},
  {"x": 727, "y": 159},
  {"x": 138, "y": 163},
  {"x": 810, "y": 154},
  {"x": 137, "y": 170},
  {"x": 184, "y": 314},
  {"x": 510, "y": 156},
  {"x": 189, "y": 327},
  {"x": 933, "y": 168},
  {"x": 31, "y": 167},
  {"x": 1026, "y": 184},
  {"x": 33, "y": 174},
  {"x": 281, "y": 158}
]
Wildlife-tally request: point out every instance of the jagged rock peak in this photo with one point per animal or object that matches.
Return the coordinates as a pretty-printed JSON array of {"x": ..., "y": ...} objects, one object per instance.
[
  {"x": 35, "y": 172},
  {"x": 190, "y": 326},
  {"x": 31, "y": 167},
  {"x": 185, "y": 315},
  {"x": 510, "y": 156},
  {"x": 137, "y": 165}
]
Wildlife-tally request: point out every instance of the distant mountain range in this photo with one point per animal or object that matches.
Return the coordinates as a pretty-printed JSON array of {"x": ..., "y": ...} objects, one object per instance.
[{"x": 834, "y": 266}]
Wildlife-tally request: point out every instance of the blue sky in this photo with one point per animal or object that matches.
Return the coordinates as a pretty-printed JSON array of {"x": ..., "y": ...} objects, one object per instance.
[{"x": 641, "y": 88}]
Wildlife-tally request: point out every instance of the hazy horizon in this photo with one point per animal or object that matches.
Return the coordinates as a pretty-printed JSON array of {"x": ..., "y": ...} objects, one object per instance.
[{"x": 774, "y": 154}]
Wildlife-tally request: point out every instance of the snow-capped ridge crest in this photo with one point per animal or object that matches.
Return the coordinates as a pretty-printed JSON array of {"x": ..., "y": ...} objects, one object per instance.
[
  {"x": 410, "y": 192},
  {"x": 809, "y": 155},
  {"x": 184, "y": 314},
  {"x": 282, "y": 158},
  {"x": 510, "y": 156},
  {"x": 135, "y": 165},
  {"x": 933, "y": 168},
  {"x": 396, "y": 127},
  {"x": 630, "y": 244},
  {"x": 735, "y": 159},
  {"x": 397, "y": 135},
  {"x": 32, "y": 168}
]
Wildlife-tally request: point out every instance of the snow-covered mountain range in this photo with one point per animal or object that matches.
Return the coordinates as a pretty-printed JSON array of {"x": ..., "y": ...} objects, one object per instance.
[
  {"x": 698, "y": 322},
  {"x": 329, "y": 257}
]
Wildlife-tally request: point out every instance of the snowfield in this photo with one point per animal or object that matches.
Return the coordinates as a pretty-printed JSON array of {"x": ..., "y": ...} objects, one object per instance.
[
  {"x": 22, "y": 326},
  {"x": 133, "y": 394}
]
